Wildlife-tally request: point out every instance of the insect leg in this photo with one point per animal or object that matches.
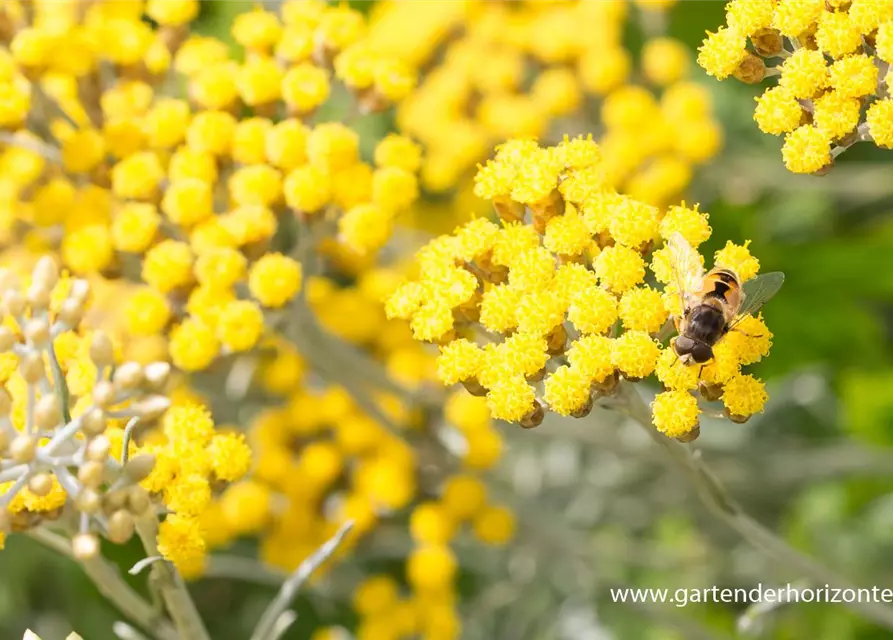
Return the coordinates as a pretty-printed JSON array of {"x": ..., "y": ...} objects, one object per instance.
[{"x": 749, "y": 335}]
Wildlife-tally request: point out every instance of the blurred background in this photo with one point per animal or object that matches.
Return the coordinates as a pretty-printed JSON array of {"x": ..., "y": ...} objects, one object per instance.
[{"x": 596, "y": 505}]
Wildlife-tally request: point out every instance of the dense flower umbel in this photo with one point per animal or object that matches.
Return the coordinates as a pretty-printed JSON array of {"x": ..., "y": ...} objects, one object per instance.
[
  {"x": 317, "y": 468},
  {"x": 542, "y": 61},
  {"x": 198, "y": 198},
  {"x": 320, "y": 460},
  {"x": 550, "y": 306},
  {"x": 65, "y": 400},
  {"x": 197, "y": 191},
  {"x": 832, "y": 62}
]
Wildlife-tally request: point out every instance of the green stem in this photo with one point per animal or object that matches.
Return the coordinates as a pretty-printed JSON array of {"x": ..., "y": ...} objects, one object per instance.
[
  {"x": 128, "y": 435},
  {"x": 59, "y": 384},
  {"x": 276, "y": 619},
  {"x": 176, "y": 597},
  {"x": 111, "y": 585}
]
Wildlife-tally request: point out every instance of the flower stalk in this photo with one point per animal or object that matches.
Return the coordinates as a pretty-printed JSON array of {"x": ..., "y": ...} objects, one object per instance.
[
  {"x": 272, "y": 623},
  {"x": 109, "y": 583},
  {"x": 178, "y": 602}
]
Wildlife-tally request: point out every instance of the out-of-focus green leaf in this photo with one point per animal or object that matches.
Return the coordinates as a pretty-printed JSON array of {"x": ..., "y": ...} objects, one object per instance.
[{"x": 868, "y": 405}]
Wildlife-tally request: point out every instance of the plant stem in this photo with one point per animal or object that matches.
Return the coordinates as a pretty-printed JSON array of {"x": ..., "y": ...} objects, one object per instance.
[
  {"x": 752, "y": 621},
  {"x": 60, "y": 386},
  {"x": 42, "y": 149},
  {"x": 110, "y": 584},
  {"x": 176, "y": 597},
  {"x": 128, "y": 434},
  {"x": 715, "y": 497},
  {"x": 269, "y": 626}
]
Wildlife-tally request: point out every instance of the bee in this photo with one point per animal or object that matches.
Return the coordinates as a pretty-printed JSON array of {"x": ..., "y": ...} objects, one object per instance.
[{"x": 712, "y": 304}]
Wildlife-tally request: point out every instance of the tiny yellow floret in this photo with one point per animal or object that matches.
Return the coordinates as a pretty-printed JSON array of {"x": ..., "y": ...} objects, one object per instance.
[
  {"x": 332, "y": 146},
  {"x": 778, "y": 111},
  {"x": 134, "y": 226},
  {"x": 180, "y": 540},
  {"x": 230, "y": 456},
  {"x": 739, "y": 259},
  {"x": 240, "y": 325},
  {"x": 744, "y": 395},
  {"x": 642, "y": 309},
  {"x": 854, "y": 76},
  {"x": 464, "y": 496},
  {"x": 807, "y": 149},
  {"x": 459, "y": 360},
  {"x": 511, "y": 399},
  {"x": 147, "y": 312},
  {"x": 675, "y": 413},
  {"x": 675, "y": 375},
  {"x": 568, "y": 390},
  {"x": 593, "y": 310},
  {"x": 274, "y": 280},
  {"x": 880, "y": 122},
  {"x": 168, "y": 265},
  {"x": 635, "y": 354},
  {"x": 722, "y": 52},
  {"x": 619, "y": 268},
  {"x": 804, "y": 73},
  {"x": 193, "y": 345},
  {"x": 495, "y": 525}
]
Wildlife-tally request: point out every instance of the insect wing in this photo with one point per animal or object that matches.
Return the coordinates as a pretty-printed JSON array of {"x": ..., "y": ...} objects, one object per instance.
[
  {"x": 687, "y": 269},
  {"x": 758, "y": 291}
]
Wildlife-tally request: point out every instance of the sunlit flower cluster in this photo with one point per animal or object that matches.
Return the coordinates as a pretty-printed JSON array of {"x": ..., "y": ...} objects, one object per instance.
[
  {"x": 195, "y": 194},
  {"x": 831, "y": 60},
  {"x": 551, "y": 306},
  {"x": 256, "y": 369},
  {"x": 322, "y": 459},
  {"x": 531, "y": 69},
  {"x": 228, "y": 208},
  {"x": 71, "y": 414}
]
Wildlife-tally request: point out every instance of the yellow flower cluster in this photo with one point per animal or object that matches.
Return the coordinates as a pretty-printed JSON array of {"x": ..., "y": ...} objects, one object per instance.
[
  {"x": 321, "y": 459},
  {"x": 543, "y": 61},
  {"x": 306, "y": 451},
  {"x": 832, "y": 62},
  {"x": 197, "y": 191},
  {"x": 192, "y": 462},
  {"x": 69, "y": 408},
  {"x": 550, "y": 306}
]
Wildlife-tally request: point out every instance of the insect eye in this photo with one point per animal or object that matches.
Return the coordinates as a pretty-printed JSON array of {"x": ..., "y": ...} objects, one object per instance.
[
  {"x": 683, "y": 345},
  {"x": 701, "y": 353}
]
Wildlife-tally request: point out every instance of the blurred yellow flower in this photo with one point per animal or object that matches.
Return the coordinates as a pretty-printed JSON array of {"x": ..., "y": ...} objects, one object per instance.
[{"x": 825, "y": 75}]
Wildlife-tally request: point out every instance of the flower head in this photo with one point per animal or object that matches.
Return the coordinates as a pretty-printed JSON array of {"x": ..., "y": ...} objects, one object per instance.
[
  {"x": 806, "y": 149},
  {"x": 830, "y": 56},
  {"x": 744, "y": 395},
  {"x": 171, "y": 470},
  {"x": 722, "y": 52},
  {"x": 675, "y": 413},
  {"x": 528, "y": 321}
]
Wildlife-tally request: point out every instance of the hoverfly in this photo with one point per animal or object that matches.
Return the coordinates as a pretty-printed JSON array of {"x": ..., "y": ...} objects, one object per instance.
[{"x": 712, "y": 304}]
